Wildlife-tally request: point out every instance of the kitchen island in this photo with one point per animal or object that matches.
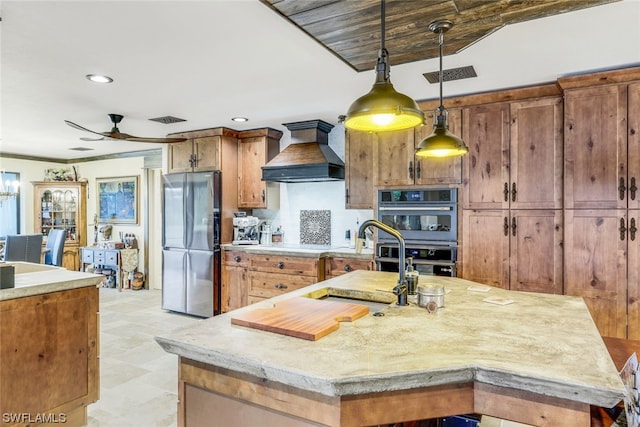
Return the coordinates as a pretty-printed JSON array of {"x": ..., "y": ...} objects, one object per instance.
[
  {"x": 538, "y": 360},
  {"x": 49, "y": 370}
]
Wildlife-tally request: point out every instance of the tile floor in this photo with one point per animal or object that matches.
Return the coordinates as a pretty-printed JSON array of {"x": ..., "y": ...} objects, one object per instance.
[{"x": 138, "y": 380}]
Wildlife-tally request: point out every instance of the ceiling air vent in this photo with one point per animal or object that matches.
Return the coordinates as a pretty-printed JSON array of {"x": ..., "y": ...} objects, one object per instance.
[
  {"x": 451, "y": 74},
  {"x": 81, "y": 149},
  {"x": 167, "y": 120}
]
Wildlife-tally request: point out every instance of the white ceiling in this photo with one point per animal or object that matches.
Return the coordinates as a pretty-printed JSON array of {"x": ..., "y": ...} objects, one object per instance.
[{"x": 208, "y": 61}]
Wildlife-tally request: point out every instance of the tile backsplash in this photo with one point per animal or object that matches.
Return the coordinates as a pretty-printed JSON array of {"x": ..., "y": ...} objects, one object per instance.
[{"x": 315, "y": 227}]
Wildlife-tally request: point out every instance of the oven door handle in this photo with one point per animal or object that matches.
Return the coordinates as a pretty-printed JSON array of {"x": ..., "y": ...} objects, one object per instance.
[{"x": 414, "y": 208}]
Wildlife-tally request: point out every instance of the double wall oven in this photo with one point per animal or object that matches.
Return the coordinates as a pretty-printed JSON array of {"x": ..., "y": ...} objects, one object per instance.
[{"x": 428, "y": 221}]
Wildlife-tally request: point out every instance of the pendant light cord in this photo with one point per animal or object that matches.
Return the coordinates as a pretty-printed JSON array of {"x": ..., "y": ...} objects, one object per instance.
[
  {"x": 441, "y": 76},
  {"x": 382, "y": 66},
  {"x": 382, "y": 28}
]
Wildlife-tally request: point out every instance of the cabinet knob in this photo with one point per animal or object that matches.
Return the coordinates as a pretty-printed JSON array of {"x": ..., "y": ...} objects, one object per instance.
[
  {"x": 632, "y": 229},
  {"x": 281, "y": 265},
  {"x": 506, "y": 191},
  {"x": 513, "y": 226},
  {"x": 348, "y": 268},
  {"x": 237, "y": 258},
  {"x": 410, "y": 170},
  {"x": 281, "y": 286},
  {"x": 505, "y": 226},
  {"x": 633, "y": 188},
  {"x": 264, "y": 196},
  {"x": 513, "y": 192}
]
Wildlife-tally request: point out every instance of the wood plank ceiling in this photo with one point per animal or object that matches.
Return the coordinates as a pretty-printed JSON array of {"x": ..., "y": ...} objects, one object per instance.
[{"x": 351, "y": 28}]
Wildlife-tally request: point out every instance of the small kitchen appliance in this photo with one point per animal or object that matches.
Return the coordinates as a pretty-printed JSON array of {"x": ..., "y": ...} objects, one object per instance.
[{"x": 246, "y": 230}]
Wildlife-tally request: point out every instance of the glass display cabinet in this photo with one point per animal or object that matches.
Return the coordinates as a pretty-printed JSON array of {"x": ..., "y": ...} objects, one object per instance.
[{"x": 61, "y": 205}]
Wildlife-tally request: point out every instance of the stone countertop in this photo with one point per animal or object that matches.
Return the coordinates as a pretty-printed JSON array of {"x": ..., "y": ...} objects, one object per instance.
[
  {"x": 309, "y": 251},
  {"x": 37, "y": 279},
  {"x": 543, "y": 343}
]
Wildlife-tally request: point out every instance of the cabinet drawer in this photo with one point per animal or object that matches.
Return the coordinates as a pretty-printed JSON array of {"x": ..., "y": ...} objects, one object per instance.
[
  {"x": 235, "y": 258},
  {"x": 87, "y": 256},
  {"x": 111, "y": 257},
  {"x": 337, "y": 266},
  {"x": 285, "y": 264},
  {"x": 269, "y": 285}
]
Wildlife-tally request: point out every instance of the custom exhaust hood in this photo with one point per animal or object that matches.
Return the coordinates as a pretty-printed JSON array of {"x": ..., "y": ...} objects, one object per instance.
[{"x": 308, "y": 158}]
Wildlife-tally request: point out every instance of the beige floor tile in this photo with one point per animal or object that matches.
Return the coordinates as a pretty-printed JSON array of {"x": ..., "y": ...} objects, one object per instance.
[{"x": 138, "y": 380}]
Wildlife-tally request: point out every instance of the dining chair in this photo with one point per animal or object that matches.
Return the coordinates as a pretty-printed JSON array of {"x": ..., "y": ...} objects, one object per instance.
[
  {"x": 55, "y": 246},
  {"x": 23, "y": 247}
]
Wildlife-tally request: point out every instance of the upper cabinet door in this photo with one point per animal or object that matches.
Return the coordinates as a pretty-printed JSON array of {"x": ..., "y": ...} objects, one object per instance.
[
  {"x": 595, "y": 131},
  {"x": 395, "y": 158},
  {"x": 180, "y": 157},
  {"x": 486, "y": 133},
  {"x": 359, "y": 150},
  {"x": 433, "y": 170},
  {"x": 633, "y": 147},
  {"x": 535, "y": 163},
  {"x": 207, "y": 153}
]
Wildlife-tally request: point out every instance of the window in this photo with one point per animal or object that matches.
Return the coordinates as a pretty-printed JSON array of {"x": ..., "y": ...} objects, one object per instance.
[{"x": 10, "y": 208}]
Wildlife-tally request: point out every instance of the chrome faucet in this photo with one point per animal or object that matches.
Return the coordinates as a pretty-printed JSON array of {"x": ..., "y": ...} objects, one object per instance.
[{"x": 401, "y": 288}]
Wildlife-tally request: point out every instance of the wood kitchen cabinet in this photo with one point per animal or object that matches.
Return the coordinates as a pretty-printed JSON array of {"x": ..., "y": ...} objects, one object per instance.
[
  {"x": 515, "y": 155},
  {"x": 202, "y": 151},
  {"x": 397, "y": 165},
  {"x": 255, "y": 149},
  {"x": 273, "y": 275},
  {"x": 359, "y": 172},
  {"x": 337, "y": 266},
  {"x": 249, "y": 278},
  {"x": 602, "y": 153},
  {"x": 602, "y": 166},
  {"x": 61, "y": 205},
  {"x": 517, "y": 249},
  {"x": 434, "y": 170},
  {"x": 512, "y": 222},
  {"x": 234, "y": 278},
  {"x": 597, "y": 267}
]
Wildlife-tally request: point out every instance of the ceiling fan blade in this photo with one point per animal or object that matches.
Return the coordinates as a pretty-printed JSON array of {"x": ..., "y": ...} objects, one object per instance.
[
  {"x": 85, "y": 138},
  {"x": 76, "y": 126},
  {"x": 115, "y": 134},
  {"x": 156, "y": 140}
]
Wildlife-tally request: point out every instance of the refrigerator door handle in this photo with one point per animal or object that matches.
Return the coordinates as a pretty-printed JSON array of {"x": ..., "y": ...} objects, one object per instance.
[{"x": 216, "y": 229}]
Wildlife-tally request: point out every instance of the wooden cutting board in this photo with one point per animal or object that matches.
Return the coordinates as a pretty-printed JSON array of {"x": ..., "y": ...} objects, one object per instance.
[{"x": 307, "y": 318}]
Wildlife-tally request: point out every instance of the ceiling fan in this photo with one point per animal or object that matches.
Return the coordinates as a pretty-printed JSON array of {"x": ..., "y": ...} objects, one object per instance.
[{"x": 115, "y": 133}]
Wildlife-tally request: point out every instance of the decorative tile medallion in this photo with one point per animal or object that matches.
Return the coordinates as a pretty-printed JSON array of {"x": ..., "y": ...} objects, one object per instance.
[{"x": 315, "y": 227}]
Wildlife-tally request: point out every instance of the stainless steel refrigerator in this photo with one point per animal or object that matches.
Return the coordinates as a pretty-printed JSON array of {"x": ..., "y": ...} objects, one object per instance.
[{"x": 191, "y": 243}]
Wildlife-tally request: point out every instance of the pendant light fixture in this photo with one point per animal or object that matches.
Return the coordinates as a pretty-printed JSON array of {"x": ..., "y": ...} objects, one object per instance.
[
  {"x": 441, "y": 143},
  {"x": 383, "y": 109}
]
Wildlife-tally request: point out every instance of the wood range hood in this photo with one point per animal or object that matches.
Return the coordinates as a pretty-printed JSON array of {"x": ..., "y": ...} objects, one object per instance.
[{"x": 308, "y": 158}]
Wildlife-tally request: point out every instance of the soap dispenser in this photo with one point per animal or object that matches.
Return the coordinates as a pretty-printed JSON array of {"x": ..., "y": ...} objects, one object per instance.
[{"x": 411, "y": 276}]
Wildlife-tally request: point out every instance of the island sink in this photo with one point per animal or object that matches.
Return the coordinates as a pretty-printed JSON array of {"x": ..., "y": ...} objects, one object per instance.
[{"x": 374, "y": 306}]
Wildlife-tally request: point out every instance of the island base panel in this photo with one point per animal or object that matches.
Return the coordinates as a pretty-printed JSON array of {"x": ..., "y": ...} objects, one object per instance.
[
  {"x": 49, "y": 357},
  {"x": 204, "y": 407},
  {"x": 241, "y": 399}
]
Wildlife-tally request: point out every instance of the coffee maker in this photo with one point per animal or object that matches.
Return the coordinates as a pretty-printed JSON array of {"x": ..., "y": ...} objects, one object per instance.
[{"x": 245, "y": 230}]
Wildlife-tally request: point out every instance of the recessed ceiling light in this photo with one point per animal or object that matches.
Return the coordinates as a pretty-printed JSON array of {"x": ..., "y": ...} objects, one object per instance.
[
  {"x": 239, "y": 119},
  {"x": 99, "y": 78}
]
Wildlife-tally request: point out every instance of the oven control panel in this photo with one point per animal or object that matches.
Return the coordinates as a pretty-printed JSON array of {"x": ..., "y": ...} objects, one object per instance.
[{"x": 435, "y": 260}]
